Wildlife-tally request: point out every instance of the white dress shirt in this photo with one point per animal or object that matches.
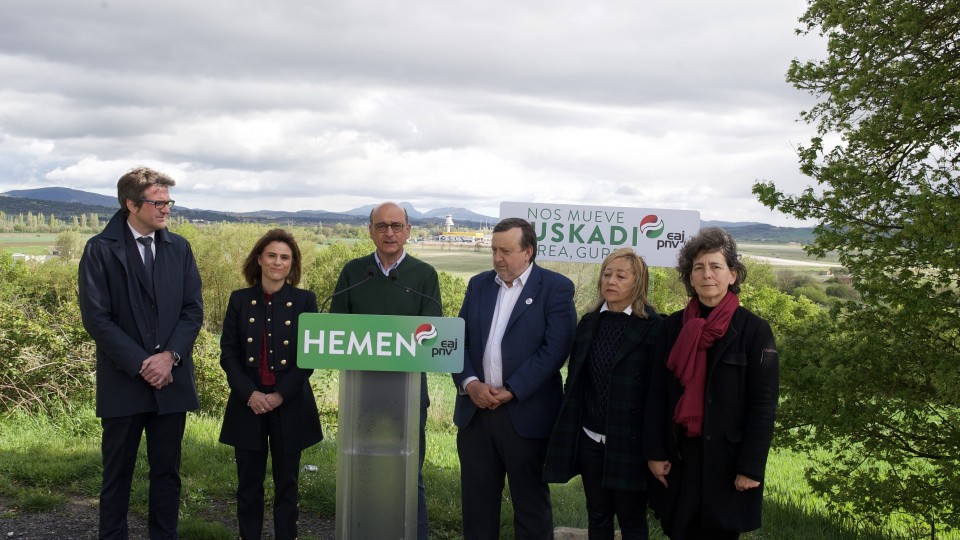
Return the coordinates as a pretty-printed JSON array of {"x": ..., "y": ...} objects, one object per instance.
[
  {"x": 140, "y": 247},
  {"x": 492, "y": 358}
]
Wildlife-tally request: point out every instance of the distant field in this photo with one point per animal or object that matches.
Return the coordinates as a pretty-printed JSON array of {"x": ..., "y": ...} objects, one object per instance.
[
  {"x": 465, "y": 261},
  {"x": 789, "y": 257},
  {"x": 28, "y": 243}
]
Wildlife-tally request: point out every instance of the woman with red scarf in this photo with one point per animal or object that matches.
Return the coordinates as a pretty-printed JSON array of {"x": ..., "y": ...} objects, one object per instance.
[
  {"x": 271, "y": 409},
  {"x": 712, "y": 400}
]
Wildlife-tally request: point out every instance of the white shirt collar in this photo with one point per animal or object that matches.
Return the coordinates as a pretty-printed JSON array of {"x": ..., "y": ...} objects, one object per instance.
[
  {"x": 386, "y": 271},
  {"x": 136, "y": 234},
  {"x": 522, "y": 278},
  {"x": 628, "y": 310}
]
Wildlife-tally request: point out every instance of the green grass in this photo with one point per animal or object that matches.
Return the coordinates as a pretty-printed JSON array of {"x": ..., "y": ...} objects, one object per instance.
[
  {"x": 44, "y": 460},
  {"x": 464, "y": 261}
]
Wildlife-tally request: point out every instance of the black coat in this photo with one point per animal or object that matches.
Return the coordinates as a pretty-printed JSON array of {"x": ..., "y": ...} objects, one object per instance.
[
  {"x": 127, "y": 321},
  {"x": 240, "y": 346},
  {"x": 740, "y": 407},
  {"x": 623, "y": 463}
]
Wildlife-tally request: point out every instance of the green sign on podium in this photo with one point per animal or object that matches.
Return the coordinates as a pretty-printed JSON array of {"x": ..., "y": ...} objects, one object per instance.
[
  {"x": 378, "y": 444},
  {"x": 380, "y": 342}
]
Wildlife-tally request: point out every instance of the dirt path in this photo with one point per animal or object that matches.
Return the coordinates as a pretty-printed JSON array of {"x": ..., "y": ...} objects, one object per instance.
[{"x": 77, "y": 520}]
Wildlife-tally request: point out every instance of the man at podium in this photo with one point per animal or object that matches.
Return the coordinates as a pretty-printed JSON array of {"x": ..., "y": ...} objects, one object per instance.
[{"x": 391, "y": 282}]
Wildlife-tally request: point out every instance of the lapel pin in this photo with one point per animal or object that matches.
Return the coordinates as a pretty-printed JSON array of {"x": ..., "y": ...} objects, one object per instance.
[{"x": 529, "y": 301}]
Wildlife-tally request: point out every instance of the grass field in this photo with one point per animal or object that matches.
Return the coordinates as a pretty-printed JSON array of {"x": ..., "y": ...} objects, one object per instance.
[
  {"x": 49, "y": 459},
  {"x": 28, "y": 243},
  {"x": 43, "y": 461}
]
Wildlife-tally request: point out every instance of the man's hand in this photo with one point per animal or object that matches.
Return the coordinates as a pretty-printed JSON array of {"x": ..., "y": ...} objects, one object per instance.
[
  {"x": 502, "y": 395},
  {"x": 481, "y": 395},
  {"x": 157, "y": 370}
]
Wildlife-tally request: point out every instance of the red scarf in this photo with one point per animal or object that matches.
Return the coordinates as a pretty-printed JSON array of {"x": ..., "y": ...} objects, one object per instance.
[{"x": 688, "y": 358}]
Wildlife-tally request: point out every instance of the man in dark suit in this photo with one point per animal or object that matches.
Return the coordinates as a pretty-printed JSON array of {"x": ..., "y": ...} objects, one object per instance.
[
  {"x": 141, "y": 303},
  {"x": 520, "y": 322}
]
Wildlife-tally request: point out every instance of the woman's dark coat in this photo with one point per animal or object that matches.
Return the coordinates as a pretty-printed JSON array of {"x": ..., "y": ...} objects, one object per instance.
[
  {"x": 624, "y": 466},
  {"x": 240, "y": 346},
  {"x": 740, "y": 407}
]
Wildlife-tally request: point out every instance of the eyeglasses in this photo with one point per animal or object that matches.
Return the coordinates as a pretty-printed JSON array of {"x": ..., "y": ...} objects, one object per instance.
[
  {"x": 395, "y": 225},
  {"x": 159, "y": 205}
]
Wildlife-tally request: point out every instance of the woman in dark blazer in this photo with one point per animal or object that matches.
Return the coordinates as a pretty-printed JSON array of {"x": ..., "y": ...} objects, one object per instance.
[
  {"x": 597, "y": 434},
  {"x": 271, "y": 406},
  {"x": 713, "y": 400}
]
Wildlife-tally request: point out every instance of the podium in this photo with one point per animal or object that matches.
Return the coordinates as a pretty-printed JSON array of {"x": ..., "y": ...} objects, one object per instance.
[{"x": 380, "y": 358}]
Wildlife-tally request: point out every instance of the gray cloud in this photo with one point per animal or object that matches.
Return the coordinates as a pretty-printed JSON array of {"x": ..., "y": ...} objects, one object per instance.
[{"x": 330, "y": 105}]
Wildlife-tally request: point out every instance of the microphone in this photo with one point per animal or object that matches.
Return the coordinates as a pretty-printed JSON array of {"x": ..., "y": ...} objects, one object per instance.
[
  {"x": 371, "y": 271},
  {"x": 393, "y": 277}
]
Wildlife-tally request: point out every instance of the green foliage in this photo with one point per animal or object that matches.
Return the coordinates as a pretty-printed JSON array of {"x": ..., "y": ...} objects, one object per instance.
[
  {"x": 47, "y": 355},
  {"x": 70, "y": 244},
  {"x": 452, "y": 290},
  {"x": 320, "y": 276},
  {"x": 667, "y": 293},
  {"x": 783, "y": 311},
  {"x": 212, "y": 384},
  {"x": 220, "y": 251},
  {"x": 759, "y": 273},
  {"x": 879, "y": 378},
  {"x": 843, "y": 291}
]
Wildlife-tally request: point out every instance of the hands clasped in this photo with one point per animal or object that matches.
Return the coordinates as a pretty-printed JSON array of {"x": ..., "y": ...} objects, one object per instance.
[
  {"x": 261, "y": 403},
  {"x": 485, "y": 396},
  {"x": 157, "y": 369}
]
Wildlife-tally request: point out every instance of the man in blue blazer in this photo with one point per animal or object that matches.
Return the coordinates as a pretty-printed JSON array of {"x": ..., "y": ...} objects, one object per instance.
[
  {"x": 520, "y": 320},
  {"x": 141, "y": 303}
]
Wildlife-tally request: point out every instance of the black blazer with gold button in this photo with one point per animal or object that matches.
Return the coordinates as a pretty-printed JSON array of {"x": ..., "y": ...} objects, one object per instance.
[{"x": 240, "y": 346}]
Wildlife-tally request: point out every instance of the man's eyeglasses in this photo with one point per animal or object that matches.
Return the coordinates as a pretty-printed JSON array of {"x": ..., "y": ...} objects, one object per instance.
[
  {"x": 395, "y": 225},
  {"x": 160, "y": 205}
]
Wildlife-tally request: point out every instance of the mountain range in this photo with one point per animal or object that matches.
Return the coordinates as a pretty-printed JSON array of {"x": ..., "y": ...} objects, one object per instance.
[{"x": 66, "y": 202}]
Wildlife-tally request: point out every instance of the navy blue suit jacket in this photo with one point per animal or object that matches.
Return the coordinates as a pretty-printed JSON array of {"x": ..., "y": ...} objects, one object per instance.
[
  {"x": 116, "y": 307},
  {"x": 535, "y": 345}
]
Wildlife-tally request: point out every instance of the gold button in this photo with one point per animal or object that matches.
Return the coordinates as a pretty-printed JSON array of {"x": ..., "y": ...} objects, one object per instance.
[
  {"x": 286, "y": 323},
  {"x": 249, "y": 340},
  {"x": 250, "y": 359},
  {"x": 253, "y": 302},
  {"x": 289, "y": 304},
  {"x": 283, "y": 362},
  {"x": 286, "y": 342},
  {"x": 252, "y": 319}
]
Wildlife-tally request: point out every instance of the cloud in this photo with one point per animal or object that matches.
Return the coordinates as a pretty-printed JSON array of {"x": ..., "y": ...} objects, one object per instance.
[{"x": 331, "y": 105}]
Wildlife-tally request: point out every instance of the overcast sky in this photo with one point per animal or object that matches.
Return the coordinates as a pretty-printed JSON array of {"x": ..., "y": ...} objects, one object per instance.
[{"x": 330, "y": 105}]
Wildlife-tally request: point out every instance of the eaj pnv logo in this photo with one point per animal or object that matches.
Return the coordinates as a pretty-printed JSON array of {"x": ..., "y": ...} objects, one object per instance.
[
  {"x": 651, "y": 226},
  {"x": 380, "y": 342},
  {"x": 425, "y": 332}
]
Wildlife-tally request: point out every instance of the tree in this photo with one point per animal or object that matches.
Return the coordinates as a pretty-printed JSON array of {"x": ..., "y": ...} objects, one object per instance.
[
  {"x": 70, "y": 244},
  {"x": 878, "y": 381}
]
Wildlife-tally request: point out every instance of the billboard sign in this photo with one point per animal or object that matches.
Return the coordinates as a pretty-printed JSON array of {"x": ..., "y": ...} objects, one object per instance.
[{"x": 579, "y": 233}]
